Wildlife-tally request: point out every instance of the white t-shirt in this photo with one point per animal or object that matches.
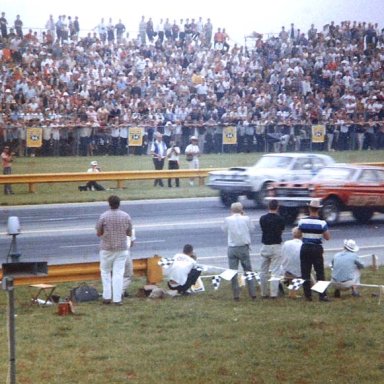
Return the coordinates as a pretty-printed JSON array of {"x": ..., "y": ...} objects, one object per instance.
[{"x": 179, "y": 270}]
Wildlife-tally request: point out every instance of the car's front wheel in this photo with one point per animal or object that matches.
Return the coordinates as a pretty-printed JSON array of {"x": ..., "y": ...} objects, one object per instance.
[
  {"x": 261, "y": 195},
  {"x": 362, "y": 215},
  {"x": 331, "y": 210},
  {"x": 227, "y": 198}
]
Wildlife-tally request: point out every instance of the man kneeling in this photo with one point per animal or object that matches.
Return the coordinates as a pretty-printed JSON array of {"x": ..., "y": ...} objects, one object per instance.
[
  {"x": 183, "y": 272},
  {"x": 346, "y": 269}
]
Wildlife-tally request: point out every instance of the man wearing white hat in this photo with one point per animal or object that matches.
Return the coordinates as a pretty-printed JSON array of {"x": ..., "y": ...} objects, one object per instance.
[
  {"x": 314, "y": 230},
  {"x": 346, "y": 269},
  {"x": 93, "y": 185}
]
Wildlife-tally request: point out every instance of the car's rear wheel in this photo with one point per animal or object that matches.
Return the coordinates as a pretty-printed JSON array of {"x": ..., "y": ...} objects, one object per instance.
[
  {"x": 362, "y": 215},
  {"x": 289, "y": 214},
  {"x": 227, "y": 198},
  {"x": 331, "y": 210},
  {"x": 261, "y": 195}
]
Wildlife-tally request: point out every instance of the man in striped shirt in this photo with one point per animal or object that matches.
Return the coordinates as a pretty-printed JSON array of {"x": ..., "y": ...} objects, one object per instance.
[{"x": 313, "y": 230}]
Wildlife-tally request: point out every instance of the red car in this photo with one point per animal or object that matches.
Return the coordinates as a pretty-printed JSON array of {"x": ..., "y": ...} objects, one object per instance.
[{"x": 341, "y": 187}]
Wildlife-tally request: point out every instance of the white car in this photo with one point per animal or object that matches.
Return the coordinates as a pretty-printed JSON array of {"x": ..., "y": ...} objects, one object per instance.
[{"x": 253, "y": 181}]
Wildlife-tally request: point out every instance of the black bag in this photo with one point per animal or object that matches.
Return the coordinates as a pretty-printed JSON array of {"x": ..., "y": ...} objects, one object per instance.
[
  {"x": 84, "y": 292},
  {"x": 189, "y": 157}
]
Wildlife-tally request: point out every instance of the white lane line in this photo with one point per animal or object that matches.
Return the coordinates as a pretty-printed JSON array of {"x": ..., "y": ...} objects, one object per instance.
[{"x": 97, "y": 244}]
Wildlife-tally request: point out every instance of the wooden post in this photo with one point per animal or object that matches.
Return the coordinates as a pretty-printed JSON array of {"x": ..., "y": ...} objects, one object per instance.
[
  {"x": 374, "y": 263},
  {"x": 120, "y": 184},
  {"x": 31, "y": 188}
]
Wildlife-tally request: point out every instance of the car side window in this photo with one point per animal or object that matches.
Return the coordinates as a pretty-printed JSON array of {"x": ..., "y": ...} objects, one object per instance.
[
  {"x": 303, "y": 164},
  {"x": 380, "y": 176},
  {"x": 317, "y": 164},
  {"x": 368, "y": 176}
]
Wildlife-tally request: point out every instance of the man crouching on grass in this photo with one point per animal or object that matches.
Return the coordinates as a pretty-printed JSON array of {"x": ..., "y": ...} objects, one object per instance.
[{"x": 183, "y": 272}]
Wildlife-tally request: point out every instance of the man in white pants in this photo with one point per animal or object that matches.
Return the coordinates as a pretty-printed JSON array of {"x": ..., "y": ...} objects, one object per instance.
[
  {"x": 192, "y": 153},
  {"x": 113, "y": 227}
]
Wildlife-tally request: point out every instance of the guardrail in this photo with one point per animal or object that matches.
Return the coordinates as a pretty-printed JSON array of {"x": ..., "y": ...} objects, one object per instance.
[
  {"x": 119, "y": 177},
  {"x": 89, "y": 271}
]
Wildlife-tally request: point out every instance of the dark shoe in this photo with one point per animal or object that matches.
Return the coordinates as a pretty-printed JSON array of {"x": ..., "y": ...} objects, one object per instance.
[
  {"x": 236, "y": 298},
  {"x": 324, "y": 299},
  {"x": 309, "y": 298},
  {"x": 125, "y": 294},
  {"x": 337, "y": 293},
  {"x": 107, "y": 301},
  {"x": 253, "y": 297},
  {"x": 355, "y": 294}
]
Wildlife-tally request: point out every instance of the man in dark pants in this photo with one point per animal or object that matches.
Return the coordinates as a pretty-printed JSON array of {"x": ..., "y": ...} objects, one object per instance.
[
  {"x": 158, "y": 152},
  {"x": 313, "y": 230},
  {"x": 183, "y": 272},
  {"x": 272, "y": 226}
]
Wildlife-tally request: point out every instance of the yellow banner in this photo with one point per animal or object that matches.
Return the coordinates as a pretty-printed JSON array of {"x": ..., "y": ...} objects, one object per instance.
[
  {"x": 135, "y": 137},
  {"x": 34, "y": 137},
  {"x": 229, "y": 135},
  {"x": 318, "y": 133}
]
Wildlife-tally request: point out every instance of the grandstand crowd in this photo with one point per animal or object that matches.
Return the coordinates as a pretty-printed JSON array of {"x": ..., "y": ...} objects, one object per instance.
[{"x": 185, "y": 78}]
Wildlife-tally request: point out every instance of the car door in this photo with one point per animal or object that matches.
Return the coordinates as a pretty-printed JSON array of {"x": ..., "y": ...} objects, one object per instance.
[{"x": 368, "y": 190}]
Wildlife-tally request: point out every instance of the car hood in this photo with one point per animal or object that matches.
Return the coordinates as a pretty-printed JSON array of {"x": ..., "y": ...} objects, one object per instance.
[{"x": 249, "y": 171}]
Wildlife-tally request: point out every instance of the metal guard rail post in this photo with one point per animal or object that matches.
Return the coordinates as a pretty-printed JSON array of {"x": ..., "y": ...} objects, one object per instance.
[
  {"x": 62, "y": 273},
  {"x": 119, "y": 176}
]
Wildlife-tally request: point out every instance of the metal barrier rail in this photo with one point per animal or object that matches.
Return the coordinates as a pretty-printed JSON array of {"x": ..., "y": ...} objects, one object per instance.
[
  {"x": 90, "y": 271},
  {"x": 119, "y": 177}
]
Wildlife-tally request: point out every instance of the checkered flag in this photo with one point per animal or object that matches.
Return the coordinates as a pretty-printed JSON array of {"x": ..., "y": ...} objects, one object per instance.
[
  {"x": 165, "y": 262},
  {"x": 249, "y": 275},
  {"x": 296, "y": 284},
  {"x": 216, "y": 282}
]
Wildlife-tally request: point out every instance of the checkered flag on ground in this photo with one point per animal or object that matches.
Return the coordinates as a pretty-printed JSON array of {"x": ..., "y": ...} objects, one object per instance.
[
  {"x": 249, "y": 275},
  {"x": 216, "y": 282},
  {"x": 296, "y": 284},
  {"x": 165, "y": 262}
]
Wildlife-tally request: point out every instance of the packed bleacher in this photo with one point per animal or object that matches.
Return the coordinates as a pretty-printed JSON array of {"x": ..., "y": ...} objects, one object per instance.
[{"x": 186, "y": 77}]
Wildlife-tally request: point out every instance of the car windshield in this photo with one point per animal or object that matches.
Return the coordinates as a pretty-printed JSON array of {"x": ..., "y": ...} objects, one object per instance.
[
  {"x": 337, "y": 174},
  {"x": 274, "y": 162}
]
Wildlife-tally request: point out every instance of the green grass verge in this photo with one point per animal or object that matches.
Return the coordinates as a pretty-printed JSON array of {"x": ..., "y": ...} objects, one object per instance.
[
  {"x": 134, "y": 190},
  {"x": 204, "y": 338}
]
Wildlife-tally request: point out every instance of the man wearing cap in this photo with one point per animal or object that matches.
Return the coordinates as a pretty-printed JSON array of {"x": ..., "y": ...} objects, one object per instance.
[
  {"x": 238, "y": 227},
  {"x": 159, "y": 153},
  {"x": 346, "y": 269},
  {"x": 6, "y": 159},
  {"x": 93, "y": 185},
  {"x": 313, "y": 230},
  {"x": 192, "y": 153}
]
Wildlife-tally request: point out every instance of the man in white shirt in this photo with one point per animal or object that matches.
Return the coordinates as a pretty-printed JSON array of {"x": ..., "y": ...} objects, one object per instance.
[
  {"x": 173, "y": 155},
  {"x": 183, "y": 273},
  {"x": 192, "y": 153},
  {"x": 290, "y": 252},
  {"x": 238, "y": 227},
  {"x": 158, "y": 152}
]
